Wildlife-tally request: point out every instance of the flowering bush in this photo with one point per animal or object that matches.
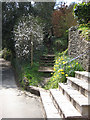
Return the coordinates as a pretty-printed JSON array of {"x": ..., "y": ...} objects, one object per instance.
[
  {"x": 61, "y": 71},
  {"x": 28, "y": 29}
]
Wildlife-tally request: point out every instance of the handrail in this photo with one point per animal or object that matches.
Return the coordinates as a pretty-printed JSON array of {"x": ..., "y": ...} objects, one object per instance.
[
  {"x": 72, "y": 60},
  {"x": 76, "y": 57}
]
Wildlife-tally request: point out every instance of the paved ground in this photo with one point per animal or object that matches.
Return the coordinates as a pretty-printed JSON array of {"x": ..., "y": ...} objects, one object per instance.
[{"x": 15, "y": 103}]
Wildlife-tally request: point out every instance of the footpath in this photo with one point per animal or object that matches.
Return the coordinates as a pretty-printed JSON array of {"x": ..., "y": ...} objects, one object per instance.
[{"x": 14, "y": 102}]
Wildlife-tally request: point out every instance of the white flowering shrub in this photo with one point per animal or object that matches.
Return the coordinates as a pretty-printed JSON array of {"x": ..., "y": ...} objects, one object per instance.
[{"x": 27, "y": 31}]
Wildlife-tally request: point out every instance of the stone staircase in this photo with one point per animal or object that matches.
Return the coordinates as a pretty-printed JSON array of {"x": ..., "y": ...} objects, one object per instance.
[
  {"x": 71, "y": 100},
  {"x": 46, "y": 63}
]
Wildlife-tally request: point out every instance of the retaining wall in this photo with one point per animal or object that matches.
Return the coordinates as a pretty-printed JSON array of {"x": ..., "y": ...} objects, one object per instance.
[{"x": 78, "y": 45}]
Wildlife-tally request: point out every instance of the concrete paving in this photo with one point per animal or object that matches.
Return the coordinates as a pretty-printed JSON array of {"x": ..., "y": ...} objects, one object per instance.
[{"x": 14, "y": 102}]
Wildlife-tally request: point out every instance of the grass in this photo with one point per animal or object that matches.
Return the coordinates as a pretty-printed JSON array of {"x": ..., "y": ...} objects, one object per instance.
[
  {"x": 85, "y": 28},
  {"x": 31, "y": 73},
  {"x": 34, "y": 77},
  {"x": 25, "y": 71}
]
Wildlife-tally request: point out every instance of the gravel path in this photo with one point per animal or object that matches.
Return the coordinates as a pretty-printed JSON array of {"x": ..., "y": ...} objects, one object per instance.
[{"x": 14, "y": 102}]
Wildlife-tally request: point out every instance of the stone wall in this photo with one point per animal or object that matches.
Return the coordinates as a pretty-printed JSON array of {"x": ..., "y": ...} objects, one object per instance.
[{"x": 78, "y": 45}]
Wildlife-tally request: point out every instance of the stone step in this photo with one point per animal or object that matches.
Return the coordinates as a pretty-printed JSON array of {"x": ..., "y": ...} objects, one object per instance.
[
  {"x": 80, "y": 85},
  {"x": 79, "y": 101},
  {"x": 47, "y": 65},
  {"x": 83, "y": 75},
  {"x": 44, "y": 81},
  {"x": 49, "y": 55},
  {"x": 49, "y": 108},
  {"x": 46, "y": 61},
  {"x": 44, "y": 58},
  {"x": 63, "y": 105},
  {"x": 46, "y": 69}
]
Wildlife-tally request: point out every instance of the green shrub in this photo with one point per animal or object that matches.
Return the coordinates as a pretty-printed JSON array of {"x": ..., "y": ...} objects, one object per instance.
[
  {"x": 61, "y": 71},
  {"x": 32, "y": 74},
  {"x": 60, "y": 44},
  {"x": 62, "y": 53},
  {"x": 82, "y": 11}
]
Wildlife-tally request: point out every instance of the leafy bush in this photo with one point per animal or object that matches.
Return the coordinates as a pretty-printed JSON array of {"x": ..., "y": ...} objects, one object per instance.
[
  {"x": 61, "y": 71},
  {"x": 81, "y": 11},
  {"x": 32, "y": 74},
  {"x": 62, "y": 53},
  {"x": 60, "y": 44}
]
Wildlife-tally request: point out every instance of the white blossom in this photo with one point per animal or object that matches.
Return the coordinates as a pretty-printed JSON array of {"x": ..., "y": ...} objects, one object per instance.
[{"x": 27, "y": 27}]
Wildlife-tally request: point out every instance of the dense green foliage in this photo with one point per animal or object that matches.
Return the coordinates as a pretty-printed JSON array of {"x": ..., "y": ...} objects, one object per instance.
[
  {"x": 17, "y": 40},
  {"x": 32, "y": 74},
  {"x": 13, "y": 10},
  {"x": 10, "y": 12},
  {"x": 25, "y": 71},
  {"x": 82, "y": 11},
  {"x": 61, "y": 71},
  {"x": 60, "y": 44},
  {"x": 62, "y": 20},
  {"x": 44, "y": 10}
]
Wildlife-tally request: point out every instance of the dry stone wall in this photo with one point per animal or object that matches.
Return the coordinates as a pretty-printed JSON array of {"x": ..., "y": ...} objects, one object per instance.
[{"x": 78, "y": 45}]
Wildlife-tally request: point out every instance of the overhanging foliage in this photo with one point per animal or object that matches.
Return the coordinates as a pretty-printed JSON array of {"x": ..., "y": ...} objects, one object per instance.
[{"x": 82, "y": 11}]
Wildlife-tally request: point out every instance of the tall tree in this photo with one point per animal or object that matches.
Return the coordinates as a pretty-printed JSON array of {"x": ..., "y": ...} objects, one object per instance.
[
  {"x": 44, "y": 10},
  {"x": 63, "y": 19},
  {"x": 10, "y": 12},
  {"x": 28, "y": 36}
]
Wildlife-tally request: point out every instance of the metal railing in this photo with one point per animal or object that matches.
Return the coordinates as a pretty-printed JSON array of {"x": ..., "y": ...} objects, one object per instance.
[
  {"x": 77, "y": 57},
  {"x": 73, "y": 60}
]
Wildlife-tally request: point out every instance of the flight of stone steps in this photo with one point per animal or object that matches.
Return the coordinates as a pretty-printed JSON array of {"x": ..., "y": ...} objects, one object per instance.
[
  {"x": 46, "y": 63},
  {"x": 71, "y": 100}
]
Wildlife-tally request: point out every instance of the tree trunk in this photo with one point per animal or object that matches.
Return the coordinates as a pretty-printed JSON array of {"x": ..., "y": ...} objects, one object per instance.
[{"x": 31, "y": 49}]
